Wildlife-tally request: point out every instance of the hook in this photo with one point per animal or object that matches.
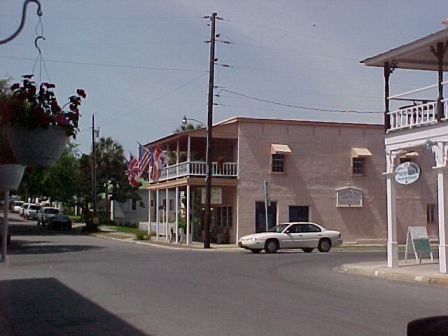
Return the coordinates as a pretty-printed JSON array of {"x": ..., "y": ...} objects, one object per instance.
[
  {"x": 35, "y": 42},
  {"x": 22, "y": 22}
]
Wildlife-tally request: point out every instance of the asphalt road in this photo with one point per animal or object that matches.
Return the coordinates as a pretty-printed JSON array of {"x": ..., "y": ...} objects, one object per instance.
[{"x": 68, "y": 284}]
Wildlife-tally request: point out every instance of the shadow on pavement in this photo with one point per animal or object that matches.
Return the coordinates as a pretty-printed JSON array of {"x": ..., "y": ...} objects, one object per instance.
[
  {"x": 18, "y": 247},
  {"x": 48, "y": 307}
]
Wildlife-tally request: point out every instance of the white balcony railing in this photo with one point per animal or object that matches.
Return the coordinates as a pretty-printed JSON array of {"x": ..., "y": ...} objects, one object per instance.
[
  {"x": 198, "y": 168},
  {"x": 417, "y": 115},
  {"x": 413, "y": 116}
]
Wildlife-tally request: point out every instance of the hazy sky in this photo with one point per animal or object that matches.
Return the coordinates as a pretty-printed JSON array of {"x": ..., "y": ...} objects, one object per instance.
[{"x": 144, "y": 64}]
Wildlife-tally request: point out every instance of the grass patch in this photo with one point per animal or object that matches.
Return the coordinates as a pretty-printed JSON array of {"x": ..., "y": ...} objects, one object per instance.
[
  {"x": 140, "y": 235},
  {"x": 75, "y": 219}
]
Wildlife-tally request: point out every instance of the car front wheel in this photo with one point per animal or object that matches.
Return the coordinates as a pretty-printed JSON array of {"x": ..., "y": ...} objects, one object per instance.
[
  {"x": 271, "y": 246},
  {"x": 324, "y": 245}
]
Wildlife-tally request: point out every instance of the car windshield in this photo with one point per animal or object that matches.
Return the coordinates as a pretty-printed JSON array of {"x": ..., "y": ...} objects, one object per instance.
[
  {"x": 278, "y": 228},
  {"x": 34, "y": 207}
]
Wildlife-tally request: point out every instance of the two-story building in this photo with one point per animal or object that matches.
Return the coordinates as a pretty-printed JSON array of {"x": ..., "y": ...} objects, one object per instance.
[
  {"x": 327, "y": 172},
  {"x": 416, "y": 121}
]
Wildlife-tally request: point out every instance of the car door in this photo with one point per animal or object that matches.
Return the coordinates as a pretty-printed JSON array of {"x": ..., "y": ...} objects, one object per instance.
[
  {"x": 310, "y": 235},
  {"x": 294, "y": 236}
]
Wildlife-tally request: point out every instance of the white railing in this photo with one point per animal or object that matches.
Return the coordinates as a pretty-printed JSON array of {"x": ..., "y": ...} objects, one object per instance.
[
  {"x": 198, "y": 168},
  {"x": 413, "y": 116}
]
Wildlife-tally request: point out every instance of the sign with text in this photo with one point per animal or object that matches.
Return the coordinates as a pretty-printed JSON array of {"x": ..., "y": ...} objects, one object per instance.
[
  {"x": 349, "y": 197},
  {"x": 407, "y": 173},
  {"x": 215, "y": 197}
]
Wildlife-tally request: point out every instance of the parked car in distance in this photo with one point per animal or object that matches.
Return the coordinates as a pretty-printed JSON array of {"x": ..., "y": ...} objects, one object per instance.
[
  {"x": 31, "y": 211},
  {"x": 298, "y": 235},
  {"x": 23, "y": 209},
  {"x": 60, "y": 221},
  {"x": 17, "y": 206},
  {"x": 45, "y": 213}
]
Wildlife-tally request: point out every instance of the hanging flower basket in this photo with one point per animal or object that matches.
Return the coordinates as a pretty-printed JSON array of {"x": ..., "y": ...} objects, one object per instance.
[
  {"x": 38, "y": 147},
  {"x": 11, "y": 176},
  {"x": 38, "y": 128}
]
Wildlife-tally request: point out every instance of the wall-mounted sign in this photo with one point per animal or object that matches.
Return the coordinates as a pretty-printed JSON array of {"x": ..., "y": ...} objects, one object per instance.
[
  {"x": 349, "y": 197},
  {"x": 215, "y": 197},
  {"x": 407, "y": 173}
]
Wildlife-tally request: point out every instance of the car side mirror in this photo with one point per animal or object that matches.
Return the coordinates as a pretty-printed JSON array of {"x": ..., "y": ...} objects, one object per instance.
[{"x": 287, "y": 231}]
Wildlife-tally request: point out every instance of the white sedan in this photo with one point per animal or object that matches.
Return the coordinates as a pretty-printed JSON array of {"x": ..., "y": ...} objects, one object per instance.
[{"x": 299, "y": 235}]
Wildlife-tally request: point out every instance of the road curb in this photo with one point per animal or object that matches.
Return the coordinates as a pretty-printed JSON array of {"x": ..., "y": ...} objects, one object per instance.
[
  {"x": 391, "y": 274},
  {"x": 165, "y": 245}
]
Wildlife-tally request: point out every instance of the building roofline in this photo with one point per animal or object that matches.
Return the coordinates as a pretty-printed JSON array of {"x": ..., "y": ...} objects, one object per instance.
[
  {"x": 240, "y": 119},
  {"x": 414, "y": 55}
]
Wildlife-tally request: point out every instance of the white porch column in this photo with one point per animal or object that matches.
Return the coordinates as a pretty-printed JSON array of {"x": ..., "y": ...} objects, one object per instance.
[
  {"x": 177, "y": 214},
  {"x": 440, "y": 155},
  {"x": 157, "y": 214},
  {"x": 188, "y": 215},
  {"x": 442, "y": 201},
  {"x": 392, "y": 245},
  {"x": 167, "y": 209}
]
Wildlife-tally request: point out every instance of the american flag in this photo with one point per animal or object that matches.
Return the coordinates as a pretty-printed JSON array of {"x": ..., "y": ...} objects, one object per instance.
[
  {"x": 144, "y": 157},
  {"x": 133, "y": 172}
]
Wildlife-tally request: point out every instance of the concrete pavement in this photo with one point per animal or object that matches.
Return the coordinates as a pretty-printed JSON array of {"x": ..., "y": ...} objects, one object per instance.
[{"x": 426, "y": 272}]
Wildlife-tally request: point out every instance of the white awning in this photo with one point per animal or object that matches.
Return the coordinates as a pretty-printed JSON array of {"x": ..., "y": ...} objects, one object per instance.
[
  {"x": 280, "y": 149},
  {"x": 361, "y": 153}
]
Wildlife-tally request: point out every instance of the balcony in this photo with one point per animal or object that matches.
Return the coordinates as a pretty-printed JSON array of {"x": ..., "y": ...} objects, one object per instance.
[
  {"x": 422, "y": 112},
  {"x": 198, "y": 169}
]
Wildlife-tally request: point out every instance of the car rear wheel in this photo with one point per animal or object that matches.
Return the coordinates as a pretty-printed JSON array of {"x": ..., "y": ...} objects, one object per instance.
[
  {"x": 307, "y": 250},
  {"x": 324, "y": 245},
  {"x": 271, "y": 246},
  {"x": 255, "y": 250}
]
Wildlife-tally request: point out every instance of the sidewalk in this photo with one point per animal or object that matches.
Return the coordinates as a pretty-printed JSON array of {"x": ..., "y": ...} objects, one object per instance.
[{"x": 425, "y": 273}]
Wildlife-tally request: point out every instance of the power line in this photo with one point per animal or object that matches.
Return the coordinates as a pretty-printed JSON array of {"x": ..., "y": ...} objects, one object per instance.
[
  {"x": 140, "y": 67},
  {"x": 297, "y": 106},
  {"x": 154, "y": 100}
]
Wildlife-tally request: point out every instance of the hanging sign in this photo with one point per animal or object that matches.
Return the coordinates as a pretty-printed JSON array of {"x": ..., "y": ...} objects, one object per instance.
[
  {"x": 215, "y": 196},
  {"x": 407, "y": 173},
  {"x": 417, "y": 241}
]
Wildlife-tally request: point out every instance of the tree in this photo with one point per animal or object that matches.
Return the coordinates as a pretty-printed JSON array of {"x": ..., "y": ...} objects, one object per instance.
[
  {"x": 59, "y": 182},
  {"x": 111, "y": 175}
]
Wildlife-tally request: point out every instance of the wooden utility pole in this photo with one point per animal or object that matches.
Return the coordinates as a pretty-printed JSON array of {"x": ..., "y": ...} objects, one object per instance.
[
  {"x": 208, "y": 180},
  {"x": 93, "y": 168}
]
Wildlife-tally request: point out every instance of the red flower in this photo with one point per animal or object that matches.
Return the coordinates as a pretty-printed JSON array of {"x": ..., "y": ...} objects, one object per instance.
[
  {"x": 81, "y": 93},
  {"x": 15, "y": 86}
]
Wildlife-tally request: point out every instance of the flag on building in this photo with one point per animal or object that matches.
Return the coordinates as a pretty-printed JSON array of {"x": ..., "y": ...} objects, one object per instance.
[
  {"x": 158, "y": 159},
  {"x": 133, "y": 171},
  {"x": 143, "y": 159}
]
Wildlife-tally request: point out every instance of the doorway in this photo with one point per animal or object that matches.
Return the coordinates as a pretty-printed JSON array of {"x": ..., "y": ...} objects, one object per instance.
[{"x": 260, "y": 217}]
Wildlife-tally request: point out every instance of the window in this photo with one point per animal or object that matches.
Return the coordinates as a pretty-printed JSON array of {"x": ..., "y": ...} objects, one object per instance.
[
  {"x": 309, "y": 228},
  {"x": 430, "y": 214},
  {"x": 224, "y": 216},
  {"x": 133, "y": 205},
  {"x": 171, "y": 204},
  {"x": 278, "y": 163},
  {"x": 358, "y": 166}
]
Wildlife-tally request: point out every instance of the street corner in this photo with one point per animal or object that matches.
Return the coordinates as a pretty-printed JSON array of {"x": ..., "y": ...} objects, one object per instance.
[{"x": 426, "y": 272}]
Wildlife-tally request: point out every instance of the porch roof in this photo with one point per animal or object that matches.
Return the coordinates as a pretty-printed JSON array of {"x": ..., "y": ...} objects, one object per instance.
[{"x": 415, "y": 55}]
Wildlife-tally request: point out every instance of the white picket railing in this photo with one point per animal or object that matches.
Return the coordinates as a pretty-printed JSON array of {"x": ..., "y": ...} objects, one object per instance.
[{"x": 198, "y": 168}]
